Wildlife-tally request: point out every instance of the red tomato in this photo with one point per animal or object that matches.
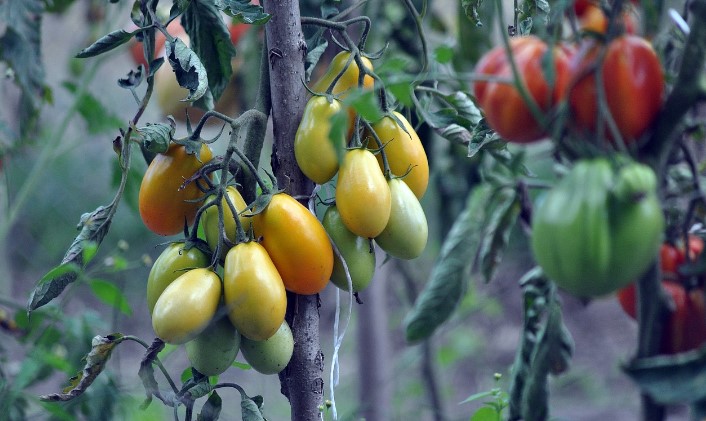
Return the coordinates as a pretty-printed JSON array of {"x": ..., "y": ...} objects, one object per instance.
[
  {"x": 671, "y": 256},
  {"x": 633, "y": 83},
  {"x": 505, "y": 110}
]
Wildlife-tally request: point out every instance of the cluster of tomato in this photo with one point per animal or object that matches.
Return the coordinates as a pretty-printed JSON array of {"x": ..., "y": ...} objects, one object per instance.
[
  {"x": 583, "y": 75},
  {"x": 378, "y": 182},
  {"x": 686, "y": 326}
]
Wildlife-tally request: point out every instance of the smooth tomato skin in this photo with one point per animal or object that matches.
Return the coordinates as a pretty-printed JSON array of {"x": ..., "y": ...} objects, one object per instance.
[
  {"x": 209, "y": 219},
  {"x": 355, "y": 251},
  {"x": 505, "y": 110},
  {"x": 492, "y": 62},
  {"x": 297, "y": 243},
  {"x": 315, "y": 152},
  {"x": 633, "y": 82},
  {"x": 349, "y": 80},
  {"x": 405, "y": 235},
  {"x": 254, "y": 294},
  {"x": 214, "y": 349},
  {"x": 271, "y": 355},
  {"x": 165, "y": 208},
  {"x": 404, "y": 151},
  {"x": 173, "y": 262},
  {"x": 362, "y": 194},
  {"x": 186, "y": 306}
]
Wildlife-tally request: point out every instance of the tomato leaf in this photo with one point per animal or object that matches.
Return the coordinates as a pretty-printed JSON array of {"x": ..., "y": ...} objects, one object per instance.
[
  {"x": 243, "y": 11},
  {"x": 110, "y": 294},
  {"x": 94, "y": 226},
  {"x": 106, "y": 43},
  {"x": 671, "y": 379},
  {"x": 506, "y": 208},
  {"x": 447, "y": 283},
  {"x": 250, "y": 408},
  {"x": 364, "y": 103},
  {"x": 485, "y": 413},
  {"x": 197, "y": 386},
  {"x": 188, "y": 69},
  {"x": 210, "y": 40},
  {"x": 482, "y": 137},
  {"x": 101, "y": 348},
  {"x": 470, "y": 9},
  {"x": 157, "y": 136},
  {"x": 316, "y": 46},
  {"x": 146, "y": 372},
  {"x": 211, "y": 410}
]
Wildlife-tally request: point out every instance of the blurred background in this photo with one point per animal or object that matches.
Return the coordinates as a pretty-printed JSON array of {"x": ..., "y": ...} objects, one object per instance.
[{"x": 66, "y": 167}]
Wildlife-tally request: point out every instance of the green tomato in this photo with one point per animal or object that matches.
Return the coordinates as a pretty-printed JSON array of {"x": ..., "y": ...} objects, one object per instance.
[
  {"x": 214, "y": 349},
  {"x": 355, "y": 250},
  {"x": 271, "y": 355},
  {"x": 186, "y": 306},
  {"x": 405, "y": 235},
  {"x": 598, "y": 230},
  {"x": 172, "y": 263},
  {"x": 209, "y": 219}
]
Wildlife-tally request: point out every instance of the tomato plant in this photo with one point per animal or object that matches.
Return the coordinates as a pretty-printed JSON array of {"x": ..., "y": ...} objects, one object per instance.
[
  {"x": 506, "y": 110},
  {"x": 166, "y": 207},
  {"x": 404, "y": 151},
  {"x": 629, "y": 69},
  {"x": 271, "y": 355},
  {"x": 186, "y": 306},
  {"x": 314, "y": 149},
  {"x": 171, "y": 264},
  {"x": 406, "y": 232},
  {"x": 297, "y": 244},
  {"x": 253, "y": 291},
  {"x": 362, "y": 194},
  {"x": 209, "y": 219},
  {"x": 356, "y": 251}
]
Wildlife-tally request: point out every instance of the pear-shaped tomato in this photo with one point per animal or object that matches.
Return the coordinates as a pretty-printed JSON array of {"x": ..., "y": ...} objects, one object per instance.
[
  {"x": 362, "y": 194},
  {"x": 405, "y": 235},
  {"x": 209, "y": 218},
  {"x": 186, "y": 306},
  {"x": 316, "y": 153},
  {"x": 349, "y": 79},
  {"x": 164, "y": 206},
  {"x": 271, "y": 355},
  {"x": 254, "y": 294},
  {"x": 356, "y": 252},
  {"x": 172, "y": 263},
  {"x": 297, "y": 243},
  {"x": 404, "y": 152},
  {"x": 214, "y": 349}
]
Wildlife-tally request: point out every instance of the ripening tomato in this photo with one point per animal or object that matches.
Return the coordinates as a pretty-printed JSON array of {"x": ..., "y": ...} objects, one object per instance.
[
  {"x": 362, "y": 194},
  {"x": 593, "y": 19},
  {"x": 172, "y": 263},
  {"x": 356, "y": 251},
  {"x": 316, "y": 153},
  {"x": 186, "y": 306},
  {"x": 633, "y": 83},
  {"x": 209, "y": 219},
  {"x": 673, "y": 256},
  {"x": 404, "y": 152},
  {"x": 254, "y": 294},
  {"x": 214, "y": 349},
  {"x": 164, "y": 206},
  {"x": 405, "y": 235},
  {"x": 349, "y": 79},
  {"x": 271, "y": 355},
  {"x": 505, "y": 110},
  {"x": 297, "y": 244}
]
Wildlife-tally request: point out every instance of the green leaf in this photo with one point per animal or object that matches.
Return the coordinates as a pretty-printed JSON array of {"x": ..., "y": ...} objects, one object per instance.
[
  {"x": 94, "y": 226},
  {"x": 243, "y": 11},
  {"x": 506, "y": 208},
  {"x": 188, "y": 69},
  {"x": 106, "y": 43},
  {"x": 448, "y": 279},
  {"x": 316, "y": 46},
  {"x": 470, "y": 9},
  {"x": 476, "y": 396},
  {"x": 98, "y": 118},
  {"x": 210, "y": 40},
  {"x": 250, "y": 409},
  {"x": 111, "y": 295},
  {"x": 364, "y": 103},
  {"x": 157, "y": 136},
  {"x": 443, "y": 54},
  {"x": 211, "y": 410},
  {"x": 101, "y": 348},
  {"x": 671, "y": 379},
  {"x": 485, "y": 413}
]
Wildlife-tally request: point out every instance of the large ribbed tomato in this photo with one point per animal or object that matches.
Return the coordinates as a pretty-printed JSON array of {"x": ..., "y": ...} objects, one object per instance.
[
  {"x": 297, "y": 243},
  {"x": 633, "y": 84},
  {"x": 164, "y": 206},
  {"x": 404, "y": 152},
  {"x": 505, "y": 110},
  {"x": 253, "y": 291}
]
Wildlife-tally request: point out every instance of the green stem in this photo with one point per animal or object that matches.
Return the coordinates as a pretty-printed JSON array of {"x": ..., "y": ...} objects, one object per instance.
[{"x": 420, "y": 31}]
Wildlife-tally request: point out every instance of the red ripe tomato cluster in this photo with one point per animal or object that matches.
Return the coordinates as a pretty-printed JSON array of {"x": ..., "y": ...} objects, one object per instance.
[
  {"x": 599, "y": 80},
  {"x": 686, "y": 326}
]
